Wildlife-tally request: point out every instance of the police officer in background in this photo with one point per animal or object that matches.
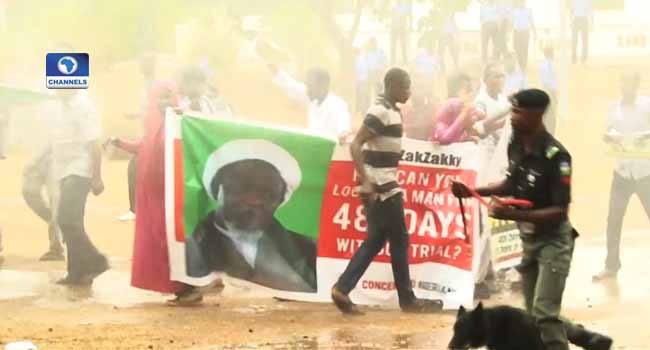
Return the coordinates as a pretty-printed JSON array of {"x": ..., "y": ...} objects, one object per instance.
[{"x": 540, "y": 171}]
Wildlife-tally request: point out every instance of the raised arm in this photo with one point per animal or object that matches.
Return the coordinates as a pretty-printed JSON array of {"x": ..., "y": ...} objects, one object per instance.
[
  {"x": 293, "y": 88},
  {"x": 450, "y": 124}
]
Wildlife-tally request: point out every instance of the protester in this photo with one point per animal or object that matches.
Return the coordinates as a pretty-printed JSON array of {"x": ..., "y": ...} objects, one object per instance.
[
  {"x": 515, "y": 78},
  {"x": 150, "y": 266},
  {"x": 522, "y": 23},
  {"x": 548, "y": 78},
  {"x": 328, "y": 114},
  {"x": 540, "y": 171},
  {"x": 496, "y": 107},
  {"x": 455, "y": 119},
  {"x": 491, "y": 101},
  {"x": 76, "y": 167},
  {"x": 582, "y": 14},
  {"x": 629, "y": 119},
  {"x": 381, "y": 133},
  {"x": 490, "y": 25},
  {"x": 196, "y": 95},
  {"x": 400, "y": 29}
]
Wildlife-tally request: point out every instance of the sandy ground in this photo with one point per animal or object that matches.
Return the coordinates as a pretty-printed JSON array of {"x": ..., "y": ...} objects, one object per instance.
[{"x": 111, "y": 315}]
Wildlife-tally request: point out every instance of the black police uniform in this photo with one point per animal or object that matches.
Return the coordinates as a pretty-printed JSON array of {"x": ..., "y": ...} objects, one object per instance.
[{"x": 543, "y": 177}]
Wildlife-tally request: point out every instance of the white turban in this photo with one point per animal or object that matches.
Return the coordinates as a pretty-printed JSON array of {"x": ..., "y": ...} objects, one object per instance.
[{"x": 244, "y": 149}]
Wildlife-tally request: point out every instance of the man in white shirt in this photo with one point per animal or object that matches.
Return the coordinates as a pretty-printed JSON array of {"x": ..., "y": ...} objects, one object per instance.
[
  {"x": 327, "y": 114},
  {"x": 491, "y": 130},
  {"x": 628, "y": 118},
  {"x": 76, "y": 167},
  {"x": 582, "y": 14}
]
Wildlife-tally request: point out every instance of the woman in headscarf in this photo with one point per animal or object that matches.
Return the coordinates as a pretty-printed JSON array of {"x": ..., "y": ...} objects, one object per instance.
[{"x": 150, "y": 266}]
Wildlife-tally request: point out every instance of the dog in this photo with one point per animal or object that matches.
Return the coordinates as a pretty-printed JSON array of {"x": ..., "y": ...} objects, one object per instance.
[{"x": 497, "y": 328}]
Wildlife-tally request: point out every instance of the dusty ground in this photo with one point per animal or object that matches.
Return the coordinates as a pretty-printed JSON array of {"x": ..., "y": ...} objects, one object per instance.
[{"x": 112, "y": 315}]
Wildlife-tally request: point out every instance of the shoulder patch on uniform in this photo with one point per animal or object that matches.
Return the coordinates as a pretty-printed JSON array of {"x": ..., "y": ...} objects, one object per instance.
[
  {"x": 565, "y": 169},
  {"x": 552, "y": 151}
]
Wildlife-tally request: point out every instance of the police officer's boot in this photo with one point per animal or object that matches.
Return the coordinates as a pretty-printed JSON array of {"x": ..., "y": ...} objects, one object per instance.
[{"x": 588, "y": 340}]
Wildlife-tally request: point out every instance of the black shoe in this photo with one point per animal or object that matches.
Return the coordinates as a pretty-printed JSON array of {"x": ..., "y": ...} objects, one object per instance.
[
  {"x": 589, "y": 340},
  {"x": 99, "y": 267},
  {"x": 599, "y": 342},
  {"x": 52, "y": 256},
  {"x": 88, "y": 274},
  {"x": 422, "y": 306},
  {"x": 75, "y": 280},
  {"x": 343, "y": 303}
]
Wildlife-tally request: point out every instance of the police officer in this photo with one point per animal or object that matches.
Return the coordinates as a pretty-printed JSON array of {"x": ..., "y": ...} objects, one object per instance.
[{"x": 540, "y": 171}]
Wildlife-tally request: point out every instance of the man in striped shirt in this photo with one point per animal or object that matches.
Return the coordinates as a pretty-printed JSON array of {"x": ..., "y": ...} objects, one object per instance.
[{"x": 376, "y": 151}]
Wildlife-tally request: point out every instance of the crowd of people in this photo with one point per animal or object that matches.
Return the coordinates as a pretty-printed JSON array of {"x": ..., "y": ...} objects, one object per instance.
[{"x": 513, "y": 124}]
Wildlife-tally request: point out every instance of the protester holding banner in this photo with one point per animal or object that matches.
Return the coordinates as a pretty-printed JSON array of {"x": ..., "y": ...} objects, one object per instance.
[
  {"x": 150, "y": 267},
  {"x": 540, "y": 172},
  {"x": 628, "y": 119},
  {"x": 376, "y": 165},
  {"x": 455, "y": 119}
]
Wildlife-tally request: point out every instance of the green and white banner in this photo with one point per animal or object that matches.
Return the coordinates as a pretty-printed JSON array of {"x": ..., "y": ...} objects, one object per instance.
[{"x": 280, "y": 208}]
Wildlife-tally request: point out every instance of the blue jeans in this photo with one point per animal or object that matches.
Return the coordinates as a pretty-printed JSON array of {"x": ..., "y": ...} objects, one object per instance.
[{"x": 385, "y": 223}]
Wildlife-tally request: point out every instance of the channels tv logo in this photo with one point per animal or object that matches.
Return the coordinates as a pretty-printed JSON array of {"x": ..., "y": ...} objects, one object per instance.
[{"x": 67, "y": 70}]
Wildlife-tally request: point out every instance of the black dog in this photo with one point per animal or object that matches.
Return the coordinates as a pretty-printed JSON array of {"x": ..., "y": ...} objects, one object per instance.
[{"x": 498, "y": 328}]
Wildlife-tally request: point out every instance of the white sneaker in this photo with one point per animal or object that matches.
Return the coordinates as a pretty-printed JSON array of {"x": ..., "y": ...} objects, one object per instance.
[{"x": 130, "y": 216}]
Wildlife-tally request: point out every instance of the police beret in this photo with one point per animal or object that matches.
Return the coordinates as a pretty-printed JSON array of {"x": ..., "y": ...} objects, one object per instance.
[
  {"x": 530, "y": 99},
  {"x": 264, "y": 150}
]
